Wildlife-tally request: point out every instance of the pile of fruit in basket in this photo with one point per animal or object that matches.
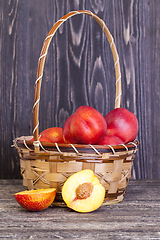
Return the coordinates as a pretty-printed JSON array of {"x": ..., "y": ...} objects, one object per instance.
[{"x": 88, "y": 126}]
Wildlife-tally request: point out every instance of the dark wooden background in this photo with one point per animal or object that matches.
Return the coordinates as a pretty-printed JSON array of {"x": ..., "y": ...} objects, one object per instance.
[{"x": 79, "y": 70}]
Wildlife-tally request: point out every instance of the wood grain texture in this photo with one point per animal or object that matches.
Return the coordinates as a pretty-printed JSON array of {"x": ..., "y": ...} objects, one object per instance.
[{"x": 79, "y": 70}]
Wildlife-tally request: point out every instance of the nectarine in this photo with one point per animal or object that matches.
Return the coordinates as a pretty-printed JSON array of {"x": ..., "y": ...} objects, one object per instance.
[
  {"x": 123, "y": 124},
  {"x": 67, "y": 136},
  {"x": 87, "y": 125},
  {"x": 42, "y": 139},
  {"x": 36, "y": 200},
  {"x": 54, "y": 134},
  {"x": 110, "y": 140},
  {"x": 83, "y": 191}
]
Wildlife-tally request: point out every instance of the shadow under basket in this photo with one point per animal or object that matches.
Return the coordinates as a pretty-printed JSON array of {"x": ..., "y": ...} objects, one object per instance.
[
  {"x": 48, "y": 165},
  {"x": 56, "y": 162}
]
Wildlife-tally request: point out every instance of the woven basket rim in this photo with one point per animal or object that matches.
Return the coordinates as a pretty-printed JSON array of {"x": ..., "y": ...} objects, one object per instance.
[{"x": 24, "y": 142}]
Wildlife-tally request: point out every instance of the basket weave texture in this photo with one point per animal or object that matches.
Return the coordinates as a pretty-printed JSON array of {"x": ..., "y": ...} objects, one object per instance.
[{"x": 45, "y": 165}]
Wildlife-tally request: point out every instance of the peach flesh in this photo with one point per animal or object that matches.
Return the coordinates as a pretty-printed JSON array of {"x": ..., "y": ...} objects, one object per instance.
[{"x": 83, "y": 191}]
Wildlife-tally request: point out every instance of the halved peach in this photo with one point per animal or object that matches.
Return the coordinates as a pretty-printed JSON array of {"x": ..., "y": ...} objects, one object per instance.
[
  {"x": 83, "y": 191},
  {"x": 36, "y": 200}
]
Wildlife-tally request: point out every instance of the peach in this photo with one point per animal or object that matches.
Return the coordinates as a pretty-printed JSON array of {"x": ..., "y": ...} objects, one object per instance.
[
  {"x": 67, "y": 136},
  {"x": 54, "y": 134},
  {"x": 36, "y": 200},
  {"x": 110, "y": 140},
  {"x": 123, "y": 124},
  {"x": 42, "y": 139},
  {"x": 87, "y": 125},
  {"x": 83, "y": 191}
]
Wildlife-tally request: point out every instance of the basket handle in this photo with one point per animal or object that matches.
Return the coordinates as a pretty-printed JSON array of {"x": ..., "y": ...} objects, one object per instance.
[{"x": 42, "y": 58}]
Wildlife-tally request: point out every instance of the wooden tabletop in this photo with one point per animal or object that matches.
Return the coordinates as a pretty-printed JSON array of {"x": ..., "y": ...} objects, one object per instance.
[{"x": 137, "y": 217}]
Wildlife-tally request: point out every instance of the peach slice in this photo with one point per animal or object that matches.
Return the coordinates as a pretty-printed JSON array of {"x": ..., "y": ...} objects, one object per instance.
[
  {"x": 36, "y": 200},
  {"x": 83, "y": 191}
]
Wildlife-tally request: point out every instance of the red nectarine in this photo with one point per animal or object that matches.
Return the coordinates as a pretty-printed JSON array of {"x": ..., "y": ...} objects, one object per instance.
[
  {"x": 87, "y": 125},
  {"x": 67, "y": 136},
  {"x": 110, "y": 140},
  {"x": 123, "y": 124},
  {"x": 42, "y": 139},
  {"x": 54, "y": 134}
]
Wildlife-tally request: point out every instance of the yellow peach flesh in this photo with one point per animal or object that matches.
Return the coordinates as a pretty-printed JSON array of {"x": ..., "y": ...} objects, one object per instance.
[{"x": 88, "y": 204}]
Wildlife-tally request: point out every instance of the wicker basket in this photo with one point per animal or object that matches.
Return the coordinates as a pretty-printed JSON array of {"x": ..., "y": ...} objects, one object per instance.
[{"x": 45, "y": 165}]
